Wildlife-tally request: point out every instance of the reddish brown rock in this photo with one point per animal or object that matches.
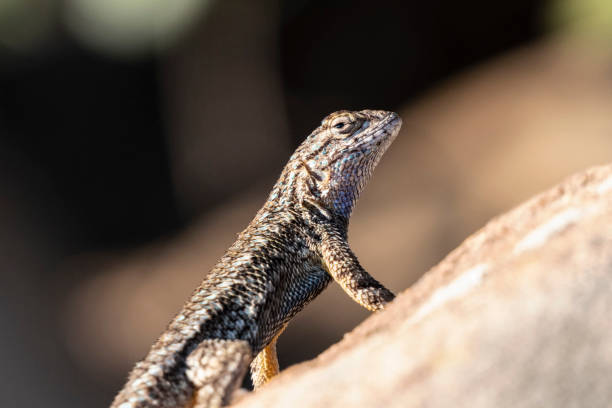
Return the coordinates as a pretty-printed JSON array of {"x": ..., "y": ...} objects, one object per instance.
[{"x": 517, "y": 316}]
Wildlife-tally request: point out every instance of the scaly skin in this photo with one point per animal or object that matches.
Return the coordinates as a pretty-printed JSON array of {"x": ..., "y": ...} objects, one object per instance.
[{"x": 295, "y": 245}]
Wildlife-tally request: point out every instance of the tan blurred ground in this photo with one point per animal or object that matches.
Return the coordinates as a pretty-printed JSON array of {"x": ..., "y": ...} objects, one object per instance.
[{"x": 470, "y": 149}]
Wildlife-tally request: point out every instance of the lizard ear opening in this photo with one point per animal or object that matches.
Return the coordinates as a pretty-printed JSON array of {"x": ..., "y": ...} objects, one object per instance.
[
  {"x": 311, "y": 173},
  {"x": 316, "y": 208}
]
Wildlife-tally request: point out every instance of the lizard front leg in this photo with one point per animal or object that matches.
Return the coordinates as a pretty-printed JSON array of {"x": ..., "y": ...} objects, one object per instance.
[{"x": 345, "y": 269}]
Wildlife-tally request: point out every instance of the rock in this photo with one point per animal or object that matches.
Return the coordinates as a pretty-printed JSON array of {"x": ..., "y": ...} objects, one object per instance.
[{"x": 517, "y": 316}]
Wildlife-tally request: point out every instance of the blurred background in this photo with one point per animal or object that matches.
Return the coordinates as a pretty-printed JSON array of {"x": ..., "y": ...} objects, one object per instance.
[{"x": 138, "y": 137}]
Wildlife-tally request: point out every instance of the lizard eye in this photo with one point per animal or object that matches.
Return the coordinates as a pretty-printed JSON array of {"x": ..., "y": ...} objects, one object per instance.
[{"x": 342, "y": 125}]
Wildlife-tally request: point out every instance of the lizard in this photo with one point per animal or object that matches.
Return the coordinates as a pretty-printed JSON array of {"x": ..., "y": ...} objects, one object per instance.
[{"x": 293, "y": 248}]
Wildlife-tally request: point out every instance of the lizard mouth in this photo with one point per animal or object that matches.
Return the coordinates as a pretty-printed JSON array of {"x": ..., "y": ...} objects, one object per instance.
[
  {"x": 393, "y": 122},
  {"x": 377, "y": 136}
]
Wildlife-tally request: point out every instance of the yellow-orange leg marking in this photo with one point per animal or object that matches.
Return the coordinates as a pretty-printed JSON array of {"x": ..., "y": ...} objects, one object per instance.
[{"x": 265, "y": 364}]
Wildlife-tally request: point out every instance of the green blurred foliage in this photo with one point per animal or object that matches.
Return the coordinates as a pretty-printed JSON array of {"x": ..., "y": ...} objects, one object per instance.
[
  {"x": 593, "y": 17},
  {"x": 112, "y": 27},
  {"x": 26, "y": 25}
]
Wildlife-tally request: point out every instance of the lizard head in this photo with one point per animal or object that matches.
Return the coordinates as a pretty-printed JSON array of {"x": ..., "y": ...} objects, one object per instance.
[{"x": 331, "y": 167}]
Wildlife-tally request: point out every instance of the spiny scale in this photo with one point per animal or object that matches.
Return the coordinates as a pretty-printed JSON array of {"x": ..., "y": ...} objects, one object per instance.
[{"x": 295, "y": 245}]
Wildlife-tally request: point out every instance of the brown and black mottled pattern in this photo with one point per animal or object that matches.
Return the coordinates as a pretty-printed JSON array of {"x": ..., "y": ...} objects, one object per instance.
[{"x": 295, "y": 245}]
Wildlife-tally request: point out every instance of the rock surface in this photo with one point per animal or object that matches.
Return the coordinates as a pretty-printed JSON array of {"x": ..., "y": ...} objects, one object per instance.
[{"x": 517, "y": 316}]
